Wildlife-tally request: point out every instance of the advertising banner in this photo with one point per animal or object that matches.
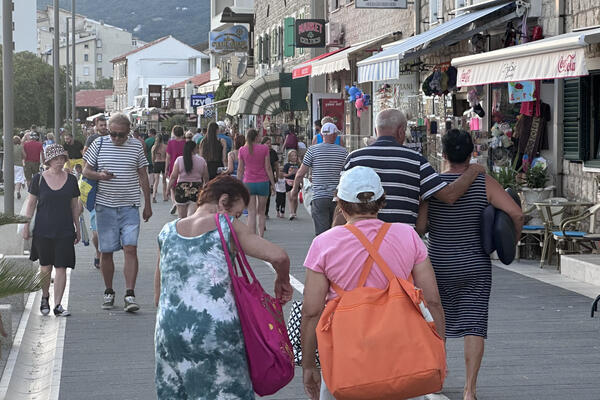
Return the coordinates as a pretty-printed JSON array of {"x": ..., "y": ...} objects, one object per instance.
[
  {"x": 334, "y": 108},
  {"x": 381, "y": 3}
]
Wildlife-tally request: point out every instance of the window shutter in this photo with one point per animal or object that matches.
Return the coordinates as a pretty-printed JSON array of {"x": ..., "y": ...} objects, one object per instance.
[
  {"x": 267, "y": 48},
  {"x": 289, "y": 38},
  {"x": 259, "y": 46},
  {"x": 574, "y": 118}
]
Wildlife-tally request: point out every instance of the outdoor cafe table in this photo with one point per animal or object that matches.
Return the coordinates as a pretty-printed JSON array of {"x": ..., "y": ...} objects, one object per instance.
[{"x": 545, "y": 209}]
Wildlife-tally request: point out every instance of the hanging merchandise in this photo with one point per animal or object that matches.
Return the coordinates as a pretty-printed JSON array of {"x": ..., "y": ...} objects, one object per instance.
[
  {"x": 474, "y": 102},
  {"x": 361, "y": 104},
  {"x": 353, "y": 93},
  {"x": 519, "y": 92}
]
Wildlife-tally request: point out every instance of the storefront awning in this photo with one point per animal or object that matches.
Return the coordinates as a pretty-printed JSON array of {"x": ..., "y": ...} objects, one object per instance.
[
  {"x": 305, "y": 69},
  {"x": 386, "y": 64},
  {"x": 561, "y": 56},
  {"x": 259, "y": 96},
  {"x": 340, "y": 60},
  {"x": 209, "y": 87}
]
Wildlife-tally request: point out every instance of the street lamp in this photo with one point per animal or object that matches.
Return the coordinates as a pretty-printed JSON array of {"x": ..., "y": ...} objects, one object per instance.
[{"x": 7, "y": 106}]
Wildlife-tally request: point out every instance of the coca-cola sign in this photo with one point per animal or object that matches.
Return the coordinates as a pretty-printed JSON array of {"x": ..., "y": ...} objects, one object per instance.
[{"x": 567, "y": 63}]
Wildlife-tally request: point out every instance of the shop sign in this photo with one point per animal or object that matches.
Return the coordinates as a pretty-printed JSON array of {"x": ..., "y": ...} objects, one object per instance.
[
  {"x": 198, "y": 100},
  {"x": 519, "y": 92},
  {"x": 310, "y": 33},
  {"x": 381, "y": 4},
  {"x": 154, "y": 96},
  {"x": 231, "y": 40},
  {"x": 334, "y": 108}
]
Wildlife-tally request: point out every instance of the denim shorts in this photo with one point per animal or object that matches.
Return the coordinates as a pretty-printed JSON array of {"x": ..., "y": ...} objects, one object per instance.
[
  {"x": 93, "y": 226},
  {"x": 117, "y": 227}
]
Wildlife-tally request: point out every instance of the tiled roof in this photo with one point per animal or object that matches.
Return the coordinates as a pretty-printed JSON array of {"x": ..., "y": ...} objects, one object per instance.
[
  {"x": 124, "y": 56},
  {"x": 197, "y": 80},
  {"x": 92, "y": 98}
]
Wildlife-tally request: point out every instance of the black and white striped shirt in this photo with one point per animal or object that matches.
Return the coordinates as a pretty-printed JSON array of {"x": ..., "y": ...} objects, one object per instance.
[
  {"x": 406, "y": 177},
  {"x": 327, "y": 161},
  {"x": 123, "y": 161}
]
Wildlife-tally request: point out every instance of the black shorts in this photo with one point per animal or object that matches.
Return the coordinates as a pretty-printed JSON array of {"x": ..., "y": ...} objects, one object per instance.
[
  {"x": 150, "y": 169},
  {"x": 288, "y": 188},
  {"x": 158, "y": 167},
  {"x": 59, "y": 252}
]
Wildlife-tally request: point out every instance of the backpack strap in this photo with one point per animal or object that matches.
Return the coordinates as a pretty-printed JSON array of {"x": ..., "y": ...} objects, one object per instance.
[{"x": 369, "y": 262}]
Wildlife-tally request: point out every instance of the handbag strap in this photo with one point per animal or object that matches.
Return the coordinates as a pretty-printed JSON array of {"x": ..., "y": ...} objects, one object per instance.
[
  {"x": 225, "y": 247},
  {"x": 368, "y": 265},
  {"x": 243, "y": 261}
]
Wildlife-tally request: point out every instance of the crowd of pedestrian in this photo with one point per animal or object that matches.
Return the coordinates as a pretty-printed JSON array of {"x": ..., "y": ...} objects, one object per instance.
[{"x": 383, "y": 193}]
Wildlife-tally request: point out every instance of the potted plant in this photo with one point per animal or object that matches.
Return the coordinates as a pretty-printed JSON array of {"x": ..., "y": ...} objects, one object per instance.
[
  {"x": 536, "y": 188},
  {"x": 14, "y": 280}
]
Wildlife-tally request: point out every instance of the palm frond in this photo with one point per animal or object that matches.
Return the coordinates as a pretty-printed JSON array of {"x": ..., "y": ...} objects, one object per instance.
[
  {"x": 6, "y": 219},
  {"x": 17, "y": 280}
]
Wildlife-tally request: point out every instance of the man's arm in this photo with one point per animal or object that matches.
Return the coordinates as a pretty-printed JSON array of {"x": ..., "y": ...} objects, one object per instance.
[
  {"x": 143, "y": 175},
  {"x": 454, "y": 191},
  {"x": 299, "y": 177}
]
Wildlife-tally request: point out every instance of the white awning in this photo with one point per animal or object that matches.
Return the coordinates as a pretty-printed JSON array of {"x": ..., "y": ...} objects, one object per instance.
[
  {"x": 386, "y": 64},
  {"x": 209, "y": 87},
  {"x": 340, "y": 61},
  {"x": 556, "y": 57}
]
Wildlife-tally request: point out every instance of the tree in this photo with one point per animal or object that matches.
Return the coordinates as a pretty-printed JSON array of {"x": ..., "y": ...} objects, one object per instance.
[
  {"x": 178, "y": 119},
  {"x": 223, "y": 93},
  {"x": 34, "y": 91},
  {"x": 104, "y": 83}
]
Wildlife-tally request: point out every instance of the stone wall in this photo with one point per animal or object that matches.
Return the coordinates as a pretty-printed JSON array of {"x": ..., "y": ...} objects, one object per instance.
[
  {"x": 360, "y": 25},
  {"x": 269, "y": 14}
]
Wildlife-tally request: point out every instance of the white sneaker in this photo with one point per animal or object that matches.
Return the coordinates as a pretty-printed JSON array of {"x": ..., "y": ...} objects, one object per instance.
[
  {"x": 130, "y": 304},
  {"x": 109, "y": 301}
]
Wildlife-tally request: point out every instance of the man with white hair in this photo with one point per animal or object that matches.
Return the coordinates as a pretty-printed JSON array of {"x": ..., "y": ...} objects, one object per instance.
[
  {"x": 327, "y": 161},
  {"x": 118, "y": 163},
  {"x": 406, "y": 175}
]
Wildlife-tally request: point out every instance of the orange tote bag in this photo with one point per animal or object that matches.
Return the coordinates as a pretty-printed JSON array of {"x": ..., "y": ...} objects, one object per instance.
[{"x": 376, "y": 343}]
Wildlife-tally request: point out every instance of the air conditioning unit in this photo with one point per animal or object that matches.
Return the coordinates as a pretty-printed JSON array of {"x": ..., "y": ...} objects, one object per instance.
[{"x": 334, "y": 34}]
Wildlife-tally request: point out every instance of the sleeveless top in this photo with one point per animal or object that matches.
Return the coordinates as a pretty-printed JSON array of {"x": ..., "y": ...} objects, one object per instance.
[{"x": 320, "y": 139}]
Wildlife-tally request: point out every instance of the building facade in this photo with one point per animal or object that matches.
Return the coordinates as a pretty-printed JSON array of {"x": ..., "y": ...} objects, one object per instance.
[
  {"x": 24, "y": 34},
  {"x": 96, "y": 43},
  {"x": 162, "y": 62}
]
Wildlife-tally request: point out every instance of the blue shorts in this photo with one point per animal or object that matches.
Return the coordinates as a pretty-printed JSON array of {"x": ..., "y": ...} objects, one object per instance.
[
  {"x": 258, "y": 188},
  {"x": 93, "y": 221},
  {"x": 117, "y": 227}
]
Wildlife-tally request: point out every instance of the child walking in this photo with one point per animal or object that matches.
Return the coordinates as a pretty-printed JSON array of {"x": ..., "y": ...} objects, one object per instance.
[{"x": 280, "y": 195}]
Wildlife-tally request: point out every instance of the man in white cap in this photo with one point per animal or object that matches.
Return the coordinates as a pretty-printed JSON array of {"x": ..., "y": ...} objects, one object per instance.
[{"x": 327, "y": 161}]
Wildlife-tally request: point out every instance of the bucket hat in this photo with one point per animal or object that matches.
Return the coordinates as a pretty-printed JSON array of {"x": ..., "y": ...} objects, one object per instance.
[{"x": 52, "y": 151}]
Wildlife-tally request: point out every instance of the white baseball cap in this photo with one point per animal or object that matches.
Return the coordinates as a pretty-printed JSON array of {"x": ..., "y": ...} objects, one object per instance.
[
  {"x": 359, "y": 180},
  {"x": 329, "y": 129}
]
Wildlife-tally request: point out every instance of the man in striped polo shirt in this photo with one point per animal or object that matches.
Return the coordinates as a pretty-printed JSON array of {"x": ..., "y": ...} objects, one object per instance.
[
  {"x": 327, "y": 161},
  {"x": 120, "y": 163},
  {"x": 406, "y": 176}
]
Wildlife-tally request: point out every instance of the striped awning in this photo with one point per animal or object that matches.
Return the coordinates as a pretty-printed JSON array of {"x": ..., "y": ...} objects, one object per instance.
[
  {"x": 386, "y": 64},
  {"x": 260, "y": 96}
]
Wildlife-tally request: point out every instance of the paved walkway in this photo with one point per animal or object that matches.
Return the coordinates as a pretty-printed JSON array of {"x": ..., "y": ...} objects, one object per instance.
[{"x": 542, "y": 343}]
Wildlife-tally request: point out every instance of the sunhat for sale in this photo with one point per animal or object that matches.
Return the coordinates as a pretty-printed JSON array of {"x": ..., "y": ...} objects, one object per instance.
[
  {"x": 359, "y": 180},
  {"x": 329, "y": 129},
  {"x": 52, "y": 151}
]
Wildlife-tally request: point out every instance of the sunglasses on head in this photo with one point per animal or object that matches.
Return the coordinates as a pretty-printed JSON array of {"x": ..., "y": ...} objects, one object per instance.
[{"x": 118, "y": 135}]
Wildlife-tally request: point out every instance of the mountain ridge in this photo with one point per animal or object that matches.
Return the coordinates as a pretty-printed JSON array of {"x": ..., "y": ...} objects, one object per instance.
[{"x": 186, "y": 20}]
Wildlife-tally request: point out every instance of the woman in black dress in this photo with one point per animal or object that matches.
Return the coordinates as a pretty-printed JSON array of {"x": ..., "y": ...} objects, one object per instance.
[
  {"x": 213, "y": 150},
  {"x": 54, "y": 195},
  {"x": 462, "y": 269}
]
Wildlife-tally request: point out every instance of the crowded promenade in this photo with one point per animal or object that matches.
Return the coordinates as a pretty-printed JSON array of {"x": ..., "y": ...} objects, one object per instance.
[{"x": 131, "y": 313}]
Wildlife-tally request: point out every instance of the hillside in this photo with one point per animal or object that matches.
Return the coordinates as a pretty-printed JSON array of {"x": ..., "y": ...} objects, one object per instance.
[{"x": 186, "y": 20}]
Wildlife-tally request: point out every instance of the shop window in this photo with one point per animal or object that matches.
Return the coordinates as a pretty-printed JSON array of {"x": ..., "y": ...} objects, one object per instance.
[{"x": 501, "y": 107}]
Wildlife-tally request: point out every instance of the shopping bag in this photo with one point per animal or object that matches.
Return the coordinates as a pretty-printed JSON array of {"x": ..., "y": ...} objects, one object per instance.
[
  {"x": 307, "y": 194},
  {"x": 293, "y": 328},
  {"x": 268, "y": 349}
]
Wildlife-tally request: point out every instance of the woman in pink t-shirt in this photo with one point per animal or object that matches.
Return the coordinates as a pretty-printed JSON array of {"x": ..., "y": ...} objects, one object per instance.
[
  {"x": 174, "y": 150},
  {"x": 338, "y": 256},
  {"x": 254, "y": 169}
]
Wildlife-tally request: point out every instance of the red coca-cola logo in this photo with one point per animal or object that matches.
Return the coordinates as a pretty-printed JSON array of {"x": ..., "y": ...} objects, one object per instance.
[
  {"x": 566, "y": 63},
  {"x": 465, "y": 76}
]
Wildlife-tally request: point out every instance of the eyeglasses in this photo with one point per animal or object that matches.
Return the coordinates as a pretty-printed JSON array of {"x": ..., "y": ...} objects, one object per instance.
[{"x": 117, "y": 135}]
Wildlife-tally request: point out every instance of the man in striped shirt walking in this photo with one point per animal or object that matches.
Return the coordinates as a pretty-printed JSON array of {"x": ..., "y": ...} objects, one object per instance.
[
  {"x": 119, "y": 164},
  {"x": 326, "y": 161},
  {"x": 406, "y": 176}
]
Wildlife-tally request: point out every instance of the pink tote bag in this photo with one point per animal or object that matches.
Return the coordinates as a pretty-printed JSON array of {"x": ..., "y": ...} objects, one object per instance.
[{"x": 268, "y": 348}]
